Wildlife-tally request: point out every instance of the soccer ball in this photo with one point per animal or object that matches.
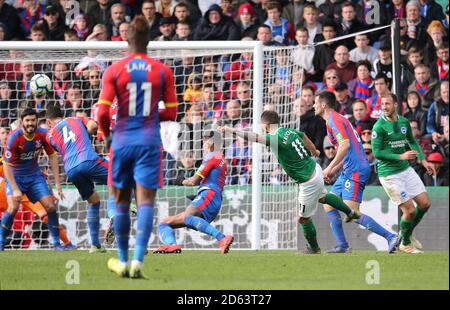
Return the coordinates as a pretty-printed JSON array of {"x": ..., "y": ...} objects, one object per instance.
[{"x": 40, "y": 84}]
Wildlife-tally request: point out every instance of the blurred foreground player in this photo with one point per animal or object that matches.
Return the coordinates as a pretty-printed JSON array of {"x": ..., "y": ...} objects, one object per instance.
[
  {"x": 139, "y": 83},
  {"x": 207, "y": 203}
]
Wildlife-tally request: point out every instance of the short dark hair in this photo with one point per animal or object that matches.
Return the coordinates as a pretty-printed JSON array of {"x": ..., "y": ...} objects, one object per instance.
[
  {"x": 309, "y": 87},
  {"x": 328, "y": 97},
  {"x": 270, "y": 117},
  {"x": 364, "y": 63},
  {"x": 27, "y": 112},
  {"x": 329, "y": 23},
  {"x": 274, "y": 5},
  {"x": 346, "y": 4},
  {"x": 383, "y": 76},
  {"x": 53, "y": 112},
  {"x": 264, "y": 26}
]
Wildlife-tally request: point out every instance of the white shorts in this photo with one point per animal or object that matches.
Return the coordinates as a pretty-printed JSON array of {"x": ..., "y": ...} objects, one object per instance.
[
  {"x": 403, "y": 186},
  {"x": 310, "y": 193}
]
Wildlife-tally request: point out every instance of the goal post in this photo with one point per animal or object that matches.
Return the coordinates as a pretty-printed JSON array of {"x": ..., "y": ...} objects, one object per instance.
[{"x": 268, "y": 221}]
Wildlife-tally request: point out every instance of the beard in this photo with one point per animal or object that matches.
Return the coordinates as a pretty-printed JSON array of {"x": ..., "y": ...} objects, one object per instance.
[{"x": 30, "y": 129}]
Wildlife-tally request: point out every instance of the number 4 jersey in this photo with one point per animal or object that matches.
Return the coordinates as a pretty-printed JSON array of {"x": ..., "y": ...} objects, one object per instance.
[
  {"x": 71, "y": 139},
  {"x": 288, "y": 146}
]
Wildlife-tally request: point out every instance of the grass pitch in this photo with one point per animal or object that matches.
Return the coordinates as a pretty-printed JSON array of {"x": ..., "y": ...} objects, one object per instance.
[{"x": 284, "y": 270}]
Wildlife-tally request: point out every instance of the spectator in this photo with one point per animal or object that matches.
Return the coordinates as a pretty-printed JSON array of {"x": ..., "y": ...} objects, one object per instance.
[
  {"x": 396, "y": 9},
  {"x": 234, "y": 115},
  {"x": 324, "y": 53},
  {"x": 443, "y": 146},
  {"x": 265, "y": 36},
  {"x": 330, "y": 10},
  {"x": 343, "y": 100},
  {"x": 310, "y": 14},
  {"x": 373, "y": 178},
  {"x": 308, "y": 95},
  {"x": 349, "y": 23},
  {"x": 149, "y": 12},
  {"x": 2, "y": 31},
  {"x": 441, "y": 176},
  {"x": 330, "y": 79},
  {"x": 439, "y": 70},
  {"x": 246, "y": 21},
  {"x": 182, "y": 32},
  {"x": 81, "y": 26},
  {"x": 282, "y": 31},
  {"x": 117, "y": 17},
  {"x": 71, "y": 35},
  {"x": 61, "y": 78},
  {"x": 415, "y": 58},
  {"x": 192, "y": 127},
  {"x": 362, "y": 86},
  {"x": 165, "y": 7},
  {"x": 414, "y": 111},
  {"x": 437, "y": 34},
  {"x": 330, "y": 153},
  {"x": 167, "y": 28},
  {"x": 183, "y": 14},
  {"x": 431, "y": 11},
  {"x": 423, "y": 140},
  {"x": 54, "y": 27},
  {"x": 23, "y": 84},
  {"x": 427, "y": 87},
  {"x": 194, "y": 90},
  {"x": 37, "y": 32},
  {"x": 185, "y": 168},
  {"x": 92, "y": 92},
  {"x": 361, "y": 117},
  {"x": 244, "y": 95},
  {"x": 31, "y": 12},
  {"x": 416, "y": 24},
  {"x": 381, "y": 89},
  {"x": 238, "y": 155},
  {"x": 293, "y": 12},
  {"x": 227, "y": 8},
  {"x": 123, "y": 32},
  {"x": 74, "y": 101},
  {"x": 4, "y": 131},
  {"x": 8, "y": 105},
  {"x": 216, "y": 26},
  {"x": 10, "y": 18},
  {"x": 363, "y": 51},
  {"x": 99, "y": 13},
  {"x": 438, "y": 115},
  {"x": 212, "y": 107},
  {"x": 99, "y": 33},
  {"x": 303, "y": 55},
  {"x": 343, "y": 65},
  {"x": 366, "y": 132}
]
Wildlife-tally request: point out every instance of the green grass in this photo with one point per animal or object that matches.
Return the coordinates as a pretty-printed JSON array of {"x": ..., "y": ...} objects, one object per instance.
[{"x": 236, "y": 270}]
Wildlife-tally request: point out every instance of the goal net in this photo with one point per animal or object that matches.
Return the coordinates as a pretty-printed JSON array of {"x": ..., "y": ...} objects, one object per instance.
[{"x": 216, "y": 86}]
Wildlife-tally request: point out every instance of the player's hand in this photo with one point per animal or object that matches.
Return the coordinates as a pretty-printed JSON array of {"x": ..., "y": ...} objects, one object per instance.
[
  {"x": 408, "y": 155},
  {"x": 17, "y": 195},
  {"x": 226, "y": 129},
  {"x": 431, "y": 170},
  {"x": 186, "y": 182},
  {"x": 316, "y": 153},
  {"x": 60, "y": 192},
  {"x": 327, "y": 174}
]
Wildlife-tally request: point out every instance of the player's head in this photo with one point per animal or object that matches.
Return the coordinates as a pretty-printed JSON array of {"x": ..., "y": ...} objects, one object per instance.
[
  {"x": 53, "y": 114},
  {"x": 138, "y": 34},
  {"x": 28, "y": 118},
  {"x": 212, "y": 140},
  {"x": 389, "y": 104},
  {"x": 324, "y": 102},
  {"x": 269, "y": 120}
]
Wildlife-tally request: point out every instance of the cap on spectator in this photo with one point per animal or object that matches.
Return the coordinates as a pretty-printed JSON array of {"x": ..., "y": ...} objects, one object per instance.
[
  {"x": 167, "y": 20},
  {"x": 385, "y": 45},
  {"x": 51, "y": 9},
  {"x": 4, "y": 83},
  {"x": 367, "y": 146},
  {"x": 246, "y": 8},
  {"x": 340, "y": 86},
  {"x": 327, "y": 143},
  {"x": 435, "y": 157}
]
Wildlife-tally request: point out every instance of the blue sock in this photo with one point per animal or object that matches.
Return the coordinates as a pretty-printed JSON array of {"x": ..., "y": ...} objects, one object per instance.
[
  {"x": 370, "y": 224},
  {"x": 200, "y": 224},
  {"x": 53, "y": 227},
  {"x": 93, "y": 221},
  {"x": 144, "y": 230},
  {"x": 336, "y": 227},
  {"x": 110, "y": 206},
  {"x": 5, "y": 227},
  {"x": 167, "y": 234},
  {"x": 122, "y": 224}
]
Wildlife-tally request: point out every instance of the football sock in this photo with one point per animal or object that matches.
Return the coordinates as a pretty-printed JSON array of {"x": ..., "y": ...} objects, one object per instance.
[
  {"x": 336, "y": 227},
  {"x": 53, "y": 227},
  {"x": 337, "y": 203},
  {"x": 110, "y": 206},
  {"x": 418, "y": 215},
  {"x": 122, "y": 230},
  {"x": 370, "y": 224},
  {"x": 309, "y": 231},
  {"x": 406, "y": 228},
  {"x": 62, "y": 231},
  {"x": 5, "y": 227},
  {"x": 144, "y": 230},
  {"x": 167, "y": 234},
  {"x": 203, "y": 226},
  {"x": 93, "y": 221}
]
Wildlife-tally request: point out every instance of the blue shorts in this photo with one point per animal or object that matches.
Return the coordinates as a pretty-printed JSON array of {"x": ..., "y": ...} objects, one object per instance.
[
  {"x": 351, "y": 188},
  {"x": 85, "y": 174},
  {"x": 208, "y": 202},
  {"x": 137, "y": 164},
  {"x": 34, "y": 186}
]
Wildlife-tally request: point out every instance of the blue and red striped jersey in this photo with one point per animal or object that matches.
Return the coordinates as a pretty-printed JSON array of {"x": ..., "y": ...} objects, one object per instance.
[
  {"x": 140, "y": 83},
  {"x": 71, "y": 139},
  {"x": 212, "y": 171},
  {"x": 339, "y": 129},
  {"x": 22, "y": 153}
]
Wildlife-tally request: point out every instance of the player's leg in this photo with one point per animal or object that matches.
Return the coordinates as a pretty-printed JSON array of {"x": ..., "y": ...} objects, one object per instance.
[
  {"x": 7, "y": 220},
  {"x": 167, "y": 234},
  {"x": 309, "y": 231},
  {"x": 110, "y": 205},
  {"x": 416, "y": 189}
]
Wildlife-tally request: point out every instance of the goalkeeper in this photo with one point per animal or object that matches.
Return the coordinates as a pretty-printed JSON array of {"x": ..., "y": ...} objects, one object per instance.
[{"x": 294, "y": 150}]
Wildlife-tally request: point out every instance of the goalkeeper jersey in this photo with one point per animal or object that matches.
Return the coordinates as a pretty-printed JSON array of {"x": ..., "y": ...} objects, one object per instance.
[
  {"x": 390, "y": 140},
  {"x": 289, "y": 148}
]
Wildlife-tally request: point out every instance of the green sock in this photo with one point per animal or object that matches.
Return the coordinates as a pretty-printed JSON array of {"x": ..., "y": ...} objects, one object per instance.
[
  {"x": 309, "y": 231},
  {"x": 418, "y": 215},
  {"x": 406, "y": 231},
  {"x": 337, "y": 203}
]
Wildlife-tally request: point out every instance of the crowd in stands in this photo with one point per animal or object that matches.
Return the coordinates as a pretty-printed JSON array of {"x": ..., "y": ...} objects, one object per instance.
[{"x": 358, "y": 69}]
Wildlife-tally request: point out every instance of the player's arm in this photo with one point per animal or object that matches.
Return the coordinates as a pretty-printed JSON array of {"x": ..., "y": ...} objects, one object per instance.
[
  {"x": 246, "y": 135},
  {"x": 342, "y": 150},
  {"x": 90, "y": 125},
  {"x": 381, "y": 153},
  {"x": 168, "y": 110},
  {"x": 310, "y": 146},
  {"x": 104, "y": 103},
  {"x": 202, "y": 172},
  {"x": 8, "y": 169},
  {"x": 414, "y": 146},
  {"x": 192, "y": 181},
  {"x": 54, "y": 166}
]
